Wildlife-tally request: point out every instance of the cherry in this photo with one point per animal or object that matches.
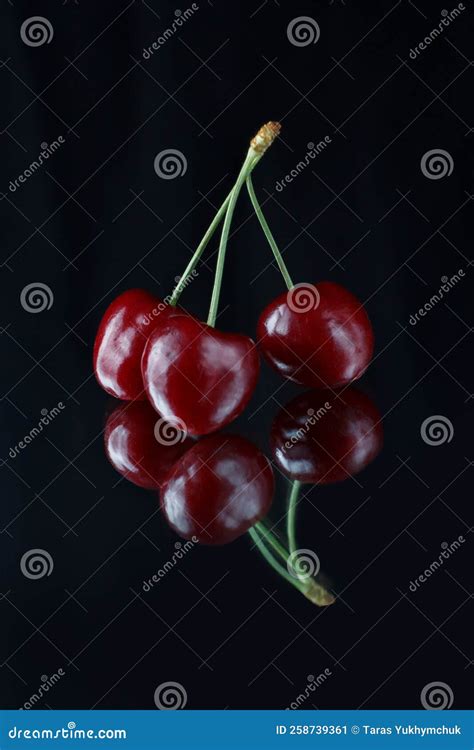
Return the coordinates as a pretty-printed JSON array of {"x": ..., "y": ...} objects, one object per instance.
[
  {"x": 218, "y": 490},
  {"x": 321, "y": 438},
  {"x": 141, "y": 446},
  {"x": 120, "y": 341},
  {"x": 197, "y": 375},
  {"x": 319, "y": 336}
]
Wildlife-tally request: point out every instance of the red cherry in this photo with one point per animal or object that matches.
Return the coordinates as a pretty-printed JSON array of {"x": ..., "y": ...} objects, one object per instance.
[
  {"x": 321, "y": 438},
  {"x": 141, "y": 446},
  {"x": 218, "y": 490},
  {"x": 318, "y": 335},
  {"x": 120, "y": 341},
  {"x": 197, "y": 375}
]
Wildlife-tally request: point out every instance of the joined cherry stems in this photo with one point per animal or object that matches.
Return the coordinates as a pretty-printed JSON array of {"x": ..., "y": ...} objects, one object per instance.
[
  {"x": 288, "y": 566},
  {"x": 258, "y": 146}
]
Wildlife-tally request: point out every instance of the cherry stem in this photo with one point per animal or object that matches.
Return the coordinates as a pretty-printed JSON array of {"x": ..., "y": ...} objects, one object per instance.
[
  {"x": 314, "y": 590},
  {"x": 258, "y": 146},
  {"x": 180, "y": 286},
  {"x": 271, "y": 560},
  {"x": 268, "y": 234},
  {"x": 309, "y": 587},
  {"x": 291, "y": 515},
  {"x": 272, "y": 540},
  {"x": 250, "y": 161}
]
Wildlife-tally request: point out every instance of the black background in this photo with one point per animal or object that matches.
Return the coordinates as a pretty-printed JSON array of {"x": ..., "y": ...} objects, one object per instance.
[{"x": 96, "y": 220}]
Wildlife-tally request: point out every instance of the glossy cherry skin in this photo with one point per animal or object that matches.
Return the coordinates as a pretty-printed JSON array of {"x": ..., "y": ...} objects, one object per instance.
[
  {"x": 322, "y": 438},
  {"x": 198, "y": 375},
  {"x": 120, "y": 341},
  {"x": 326, "y": 346},
  {"x": 140, "y": 446},
  {"x": 220, "y": 488}
]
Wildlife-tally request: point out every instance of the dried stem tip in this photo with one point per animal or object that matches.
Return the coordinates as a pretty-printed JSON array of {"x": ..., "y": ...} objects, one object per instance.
[
  {"x": 318, "y": 594},
  {"x": 265, "y": 137}
]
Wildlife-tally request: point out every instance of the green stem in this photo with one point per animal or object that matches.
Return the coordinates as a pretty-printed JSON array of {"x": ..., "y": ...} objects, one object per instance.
[
  {"x": 268, "y": 234},
  {"x": 258, "y": 146},
  {"x": 199, "y": 251},
  {"x": 271, "y": 560},
  {"x": 314, "y": 590},
  {"x": 310, "y": 588},
  {"x": 250, "y": 162},
  {"x": 291, "y": 515},
  {"x": 270, "y": 538}
]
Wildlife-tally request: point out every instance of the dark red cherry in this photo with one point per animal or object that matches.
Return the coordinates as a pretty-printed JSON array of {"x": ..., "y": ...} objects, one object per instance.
[
  {"x": 220, "y": 488},
  {"x": 120, "y": 341},
  {"x": 197, "y": 375},
  {"x": 318, "y": 335},
  {"x": 322, "y": 438},
  {"x": 141, "y": 446}
]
